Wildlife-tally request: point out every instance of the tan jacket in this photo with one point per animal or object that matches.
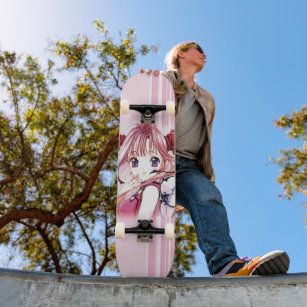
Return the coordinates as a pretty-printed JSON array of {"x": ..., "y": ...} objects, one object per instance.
[{"x": 206, "y": 100}]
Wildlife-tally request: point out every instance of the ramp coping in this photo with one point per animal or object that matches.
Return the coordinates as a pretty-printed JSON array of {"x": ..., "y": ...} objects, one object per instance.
[{"x": 190, "y": 282}]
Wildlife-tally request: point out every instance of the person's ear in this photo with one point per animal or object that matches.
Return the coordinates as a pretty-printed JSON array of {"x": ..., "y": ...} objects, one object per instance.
[{"x": 180, "y": 54}]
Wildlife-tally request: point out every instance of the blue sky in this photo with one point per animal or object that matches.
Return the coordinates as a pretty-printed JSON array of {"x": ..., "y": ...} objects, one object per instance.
[{"x": 256, "y": 70}]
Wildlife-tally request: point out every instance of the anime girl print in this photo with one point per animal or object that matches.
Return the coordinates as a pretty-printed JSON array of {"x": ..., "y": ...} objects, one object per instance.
[{"x": 146, "y": 172}]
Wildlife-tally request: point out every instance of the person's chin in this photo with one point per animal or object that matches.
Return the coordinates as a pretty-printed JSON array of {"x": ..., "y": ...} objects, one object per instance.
[{"x": 200, "y": 68}]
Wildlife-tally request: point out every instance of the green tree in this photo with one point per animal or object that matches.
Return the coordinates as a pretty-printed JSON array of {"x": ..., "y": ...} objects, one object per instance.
[
  {"x": 185, "y": 246},
  {"x": 293, "y": 162},
  {"x": 58, "y": 155}
]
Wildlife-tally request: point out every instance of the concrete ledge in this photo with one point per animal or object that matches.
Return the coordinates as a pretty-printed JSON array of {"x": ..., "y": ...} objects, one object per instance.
[{"x": 22, "y": 288}]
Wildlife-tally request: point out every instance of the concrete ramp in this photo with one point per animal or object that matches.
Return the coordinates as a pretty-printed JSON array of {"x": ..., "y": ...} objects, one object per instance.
[{"x": 22, "y": 288}]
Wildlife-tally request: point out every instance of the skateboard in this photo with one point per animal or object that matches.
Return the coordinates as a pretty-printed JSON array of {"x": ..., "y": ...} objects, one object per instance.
[{"x": 145, "y": 215}]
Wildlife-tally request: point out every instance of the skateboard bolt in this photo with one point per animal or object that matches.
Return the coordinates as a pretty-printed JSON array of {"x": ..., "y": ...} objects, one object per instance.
[
  {"x": 144, "y": 225},
  {"x": 147, "y": 113}
]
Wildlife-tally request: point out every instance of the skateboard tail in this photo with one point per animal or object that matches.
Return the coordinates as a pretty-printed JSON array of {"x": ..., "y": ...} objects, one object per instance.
[{"x": 145, "y": 259}]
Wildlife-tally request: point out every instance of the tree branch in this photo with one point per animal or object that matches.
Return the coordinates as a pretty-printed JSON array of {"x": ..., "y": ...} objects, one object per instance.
[
  {"x": 65, "y": 168},
  {"x": 106, "y": 254},
  {"x": 51, "y": 249},
  {"x": 58, "y": 218},
  {"x": 97, "y": 88},
  {"x": 15, "y": 101},
  {"x": 15, "y": 176},
  {"x": 47, "y": 241},
  {"x": 56, "y": 141},
  {"x": 35, "y": 106},
  {"x": 89, "y": 243}
]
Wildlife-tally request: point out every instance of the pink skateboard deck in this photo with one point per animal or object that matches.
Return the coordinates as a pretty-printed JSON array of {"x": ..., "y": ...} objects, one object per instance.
[{"x": 146, "y": 179}]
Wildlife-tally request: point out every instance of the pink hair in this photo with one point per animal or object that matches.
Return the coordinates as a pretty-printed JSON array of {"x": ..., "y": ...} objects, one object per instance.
[{"x": 135, "y": 144}]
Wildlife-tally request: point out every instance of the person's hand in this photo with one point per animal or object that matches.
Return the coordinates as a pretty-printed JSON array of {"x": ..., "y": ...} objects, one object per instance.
[
  {"x": 179, "y": 208},
  {"x": 149, "y": 71}
]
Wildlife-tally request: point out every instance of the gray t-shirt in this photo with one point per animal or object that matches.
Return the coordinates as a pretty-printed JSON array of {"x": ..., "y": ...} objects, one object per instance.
[{"x": 190, "y": 127}]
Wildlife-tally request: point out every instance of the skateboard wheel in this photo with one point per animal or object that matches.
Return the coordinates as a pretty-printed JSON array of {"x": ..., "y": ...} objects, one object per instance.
[
  {"x": 169, "y": 231},
  {"x": 124, "y": 106},
  {"x": 170, "y": 107},
  {"x": 120, "y": 230}
]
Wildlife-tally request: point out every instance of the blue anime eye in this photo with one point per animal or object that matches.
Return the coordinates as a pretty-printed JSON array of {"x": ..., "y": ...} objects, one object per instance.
[
  {"x": 155, "y": 161},
  {"x": 134, "y": 162}
]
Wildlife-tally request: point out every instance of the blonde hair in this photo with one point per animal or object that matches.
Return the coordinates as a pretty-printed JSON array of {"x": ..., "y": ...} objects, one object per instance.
[{"x": 171, "y": 58}]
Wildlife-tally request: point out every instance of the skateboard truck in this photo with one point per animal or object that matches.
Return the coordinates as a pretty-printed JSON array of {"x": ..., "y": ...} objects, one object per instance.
[
  {"x": 147, "y": 112},
  {"x": 145, "y": 230}
]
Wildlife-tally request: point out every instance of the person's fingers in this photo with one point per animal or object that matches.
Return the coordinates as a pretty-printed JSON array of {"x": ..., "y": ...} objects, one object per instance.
[
  {"x": 149, "y": 71},
  {"x": 179, "y": 208}
]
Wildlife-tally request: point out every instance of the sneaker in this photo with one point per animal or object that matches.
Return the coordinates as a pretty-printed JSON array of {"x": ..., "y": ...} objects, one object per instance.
[{"x": 276, "y": 262}]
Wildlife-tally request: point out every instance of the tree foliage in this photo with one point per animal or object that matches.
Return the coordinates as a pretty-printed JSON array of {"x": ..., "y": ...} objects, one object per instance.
[
  {"x": 185, "y": 246},
  {"x": 293, "y": 162},
  {"x": 58, "y": 154}
]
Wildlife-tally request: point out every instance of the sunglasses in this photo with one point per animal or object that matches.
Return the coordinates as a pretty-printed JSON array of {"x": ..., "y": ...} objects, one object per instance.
[{"x": 200, "y": 49}]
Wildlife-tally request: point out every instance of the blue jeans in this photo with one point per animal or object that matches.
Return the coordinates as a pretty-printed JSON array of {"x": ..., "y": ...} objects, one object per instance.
[{"x": 203, "y": 200}]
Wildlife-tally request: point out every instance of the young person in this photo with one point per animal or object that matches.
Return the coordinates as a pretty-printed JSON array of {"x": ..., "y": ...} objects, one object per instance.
[{"x": 195, "y": 182}]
